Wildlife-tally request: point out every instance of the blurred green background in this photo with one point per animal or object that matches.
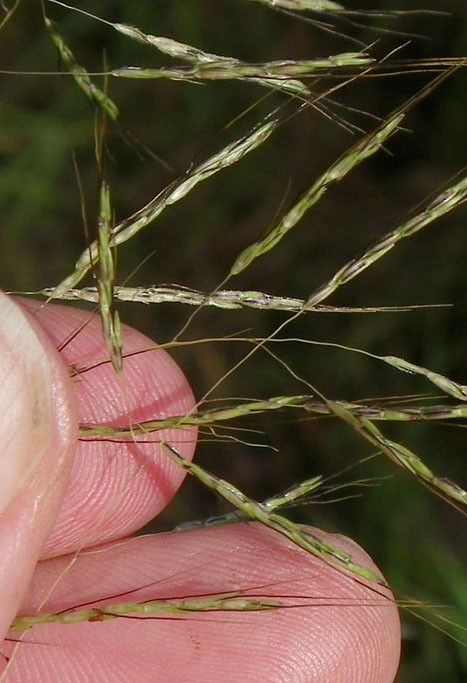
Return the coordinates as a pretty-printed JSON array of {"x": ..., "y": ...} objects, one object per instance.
[{"x": 418, "y": 541}]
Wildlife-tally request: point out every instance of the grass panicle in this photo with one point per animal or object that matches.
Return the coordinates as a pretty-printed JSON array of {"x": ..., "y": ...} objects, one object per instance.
[
  {"x": 129, "y": 227},
  {"x": 295, "y": 81},
  {"x": 110, "y": 318},
  {"x": 363, "y": 149},
  {"x": 303, "y": 5},
  {"x": 273, "y": 74},
  {"x": 225, "y": 299},
  {"x": 254, "y": 510},
  {"x": 305, "y": 402},
  {"x": 226, "y": 602},
  {"x": 440, "y": 206},
  {"x": 402, "y": 456},
  {"x": 97, "y": 96},
  {"x": 209, "y": 65}
]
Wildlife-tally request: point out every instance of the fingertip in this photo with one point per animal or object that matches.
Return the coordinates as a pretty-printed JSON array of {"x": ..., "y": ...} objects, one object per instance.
[
  {"x": 117, "y": 484},
  {"x": 329, "y": 627},
  {"x": 38, "y": 424}
]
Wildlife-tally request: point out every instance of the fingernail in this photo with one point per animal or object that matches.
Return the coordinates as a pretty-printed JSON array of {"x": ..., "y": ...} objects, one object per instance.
[{"x": 25, "y": 400}]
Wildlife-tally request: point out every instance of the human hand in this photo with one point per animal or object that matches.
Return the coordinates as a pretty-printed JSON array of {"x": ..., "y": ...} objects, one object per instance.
[{"x": 337, "y": 629}]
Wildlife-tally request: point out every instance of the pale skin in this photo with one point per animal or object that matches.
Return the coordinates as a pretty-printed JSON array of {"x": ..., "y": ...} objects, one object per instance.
[{"x": 74, "y": 495}]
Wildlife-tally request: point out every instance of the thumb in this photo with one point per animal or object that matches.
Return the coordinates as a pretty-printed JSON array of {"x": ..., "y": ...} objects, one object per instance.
[{"x": 38, "y": 427}]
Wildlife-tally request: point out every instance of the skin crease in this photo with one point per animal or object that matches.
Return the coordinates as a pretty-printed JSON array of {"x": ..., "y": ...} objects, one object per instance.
[{"x": 337, "y": 629}]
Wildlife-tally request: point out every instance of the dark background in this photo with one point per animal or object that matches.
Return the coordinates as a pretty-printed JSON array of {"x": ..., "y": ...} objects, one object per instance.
[{"x": 416, "y": 539}]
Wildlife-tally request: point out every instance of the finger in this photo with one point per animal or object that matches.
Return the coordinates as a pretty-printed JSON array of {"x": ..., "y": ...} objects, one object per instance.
[
  {"x": 335, "y": 629},
  {"x": 115, "y": 488},
  {"x": 38, "y": 425}
]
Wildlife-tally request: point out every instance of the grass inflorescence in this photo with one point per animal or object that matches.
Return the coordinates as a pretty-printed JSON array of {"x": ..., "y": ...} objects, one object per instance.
[{"x": 292, "y": 87}]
